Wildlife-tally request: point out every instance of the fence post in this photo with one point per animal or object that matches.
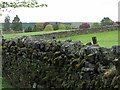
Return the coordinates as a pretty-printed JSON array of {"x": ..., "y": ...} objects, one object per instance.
[{"x": 94, "y": 40}]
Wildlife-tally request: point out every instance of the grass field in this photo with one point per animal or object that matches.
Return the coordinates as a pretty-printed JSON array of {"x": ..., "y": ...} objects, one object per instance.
[
  {"x": 30, "y": 33},
  {"x": 106, "y": 39}
]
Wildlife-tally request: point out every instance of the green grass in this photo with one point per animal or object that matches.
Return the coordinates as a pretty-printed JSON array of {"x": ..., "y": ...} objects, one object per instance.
[
  {"x": 106, "y": 39},
  {"x": 30, "y": 33},
  {"x": 4, "y": 83}
]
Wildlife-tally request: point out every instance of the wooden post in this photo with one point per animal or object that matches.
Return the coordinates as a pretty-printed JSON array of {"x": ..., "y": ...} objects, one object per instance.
[{"x": 94, "y": 40}]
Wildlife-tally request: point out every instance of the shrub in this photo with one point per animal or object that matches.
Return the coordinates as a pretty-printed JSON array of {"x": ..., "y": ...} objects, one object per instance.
[
  {"x": 68, "y": 27},
  {"x": 49, "y": 27},
  {"x": 61, "y": 27},
  {"x": 95, "y": 25}
]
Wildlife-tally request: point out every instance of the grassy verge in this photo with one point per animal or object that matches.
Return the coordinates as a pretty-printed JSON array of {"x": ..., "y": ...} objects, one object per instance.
[{"x": 30, "y": 33}]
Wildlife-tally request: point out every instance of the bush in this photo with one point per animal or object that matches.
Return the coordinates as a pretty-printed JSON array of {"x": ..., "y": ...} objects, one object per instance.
[
  {"x": 68, "y": 27},
  {"x": 49, "y": 27},
  {"x": 95, "y": 25},
  {"x": 61, "y": 27}
]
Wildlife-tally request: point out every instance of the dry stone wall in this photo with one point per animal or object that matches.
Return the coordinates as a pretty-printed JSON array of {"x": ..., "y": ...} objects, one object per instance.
[
  {"x": 74, "y": 32},
  {"x": 55, "y": 64}
]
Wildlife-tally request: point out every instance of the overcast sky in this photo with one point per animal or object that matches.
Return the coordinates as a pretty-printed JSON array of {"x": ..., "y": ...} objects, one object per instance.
[{"x": 68, "y": 11}]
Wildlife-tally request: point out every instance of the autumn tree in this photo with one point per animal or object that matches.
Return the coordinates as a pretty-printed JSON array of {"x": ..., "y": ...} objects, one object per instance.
[
  {"x": 45, "y": 24},
  {"x": 84, "y": 26}
]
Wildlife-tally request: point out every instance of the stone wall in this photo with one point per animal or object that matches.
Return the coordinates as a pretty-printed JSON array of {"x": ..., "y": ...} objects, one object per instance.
[
  {"x": 74, "y": 32},
  {"x": 55, "y": 64}
]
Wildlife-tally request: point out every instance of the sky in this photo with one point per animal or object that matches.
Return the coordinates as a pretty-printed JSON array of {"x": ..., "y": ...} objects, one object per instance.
[{"x": 67, "y": 11}]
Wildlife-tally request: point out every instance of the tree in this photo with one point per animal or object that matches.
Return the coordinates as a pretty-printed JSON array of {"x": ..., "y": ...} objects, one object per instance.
[
  {"x": 61, "y": 27},
  {"x": 84, "y": 26},
  {"x": 106, "y": 21},
  {"x": 34, "y": 28},
  {"x": 95, "y": 25},
  {"x": 39, "y": 26},
  {"x": 6, "y": 24},
  {"x": 16, "y": 24},
  {"x": 29, "y": 29},
  {"x": 45, "y": 24},
  {"x": 19, "y": 3},
  {"x": 55, "y": 26},
  {"x": 49, "y": 27}
]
